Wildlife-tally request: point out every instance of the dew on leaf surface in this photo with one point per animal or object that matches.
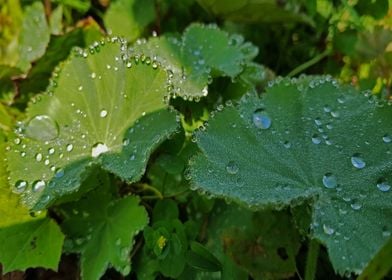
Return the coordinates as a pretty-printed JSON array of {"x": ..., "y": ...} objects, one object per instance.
[
  {"x": 357, "y": 161},
  {"x": 387, "y": 138},
  {"x": 316, "y": 139},
  {"x": 261, "y": 119},
  {"x": 330, "y": 181},
  {"x": 43, "y": 128},
  {"x": 232, "y": 168},
  {"x": 328, "y": 230},
  {"x": 98, "y": 148},
  {"x": 38, "y": 186},
  {"x": 382, "y": 185},
  {"x": 20, "y": 186},
  {"x": 69, "y": 147},
  {"x": 103, "y": 113}
]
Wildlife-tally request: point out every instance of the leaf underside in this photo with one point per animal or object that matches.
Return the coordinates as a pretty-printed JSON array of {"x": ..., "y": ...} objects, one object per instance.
[{"x": 322, "y": 143}]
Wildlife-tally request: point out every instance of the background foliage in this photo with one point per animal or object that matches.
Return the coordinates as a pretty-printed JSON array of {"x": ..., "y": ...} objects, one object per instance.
[{"x": 195, "y": 139}]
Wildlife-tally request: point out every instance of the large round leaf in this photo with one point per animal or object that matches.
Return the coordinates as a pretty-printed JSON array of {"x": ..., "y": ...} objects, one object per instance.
[
  {"x": 318, "y": 142},
  {"x": 85, "y": 119}
]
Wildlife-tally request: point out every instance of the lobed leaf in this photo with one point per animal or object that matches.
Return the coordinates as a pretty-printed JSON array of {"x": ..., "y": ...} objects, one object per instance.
[
  {"x": 98, "y": 221},
  {"x": 203, "y": 52},
  {"x": 309, "y": 140},
  {"x": 25, "y": 241},
  {"x": 100, "y": 111}
]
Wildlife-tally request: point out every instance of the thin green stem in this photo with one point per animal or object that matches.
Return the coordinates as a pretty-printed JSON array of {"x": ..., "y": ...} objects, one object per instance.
[
  {"x": 311, "y": 260},
  {"x": 146, "y": 187},
  {"x": 309, "y": 63}
]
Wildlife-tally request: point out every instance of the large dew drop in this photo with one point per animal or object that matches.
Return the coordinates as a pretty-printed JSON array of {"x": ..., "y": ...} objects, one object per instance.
[
  {"x": 42, "y": 128},
  {"x": 20, "y": 186},
  {"x": 261, "y": 119},
  {"x": 98, "y": 148},
  {"x": 357, "y": 161},
  {"x": 328, "y": 230},
  {"x": 329, "y": 181}
]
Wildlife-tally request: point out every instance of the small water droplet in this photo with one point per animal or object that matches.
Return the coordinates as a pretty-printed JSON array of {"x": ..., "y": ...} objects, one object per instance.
[
  {"x": 51, "y": 151},
  {"x": 99, "y": 148},
  {"x": 38, "y": 186},
  {"x": 316, "y": 139},
  {"x": 387, "y": 138},
  {"x": 69, "y": 148},
  {"x": 20, "y": 186},
  {"x": 317, "y": 121},
  {"x": 327, "y": 109},
  {"x": 382, "y": 185},
  {"x": 59, "y": 173},
  {"x": 80, "y": 88},
  {"x": 232, "y": 168},
  {"x": 103, "y": 113},
  {"x": 287, "y": 144},
  {"x": 17, "y": 141},
  {"x": 38, "y": 157},
  {"x": 329, "y": 181},
  {"x": 42, "y": 128},
  {"x": 355, "y": 205},
  {"x": 261, "y": 119},
  {"x": 357, "y": 161},
  {"x": 328, "y": 230}
]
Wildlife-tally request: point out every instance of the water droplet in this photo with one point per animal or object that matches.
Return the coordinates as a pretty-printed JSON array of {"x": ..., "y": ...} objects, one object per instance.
[
  {"x": 132, "y": 157},
  {"x": 51, "y": 151},
  {"x": 287, "y": 144},
  {"x": 38, "y": 186},
  {"x": 20, "y": 186},
  {"x": 355, "y": 205},
  {"x": 99, "y": 148},
  {"x": 387, "y": 138},
  {"x": 232, "y": 168},
  {"x": 38, "y": 157},
  {"x": 42, "y": 128},
  {"x": 80, "y": 88},
  {"x": 103, "y": 113},
  {"x": 382, "y": 185},
  {"x": 59, "y": 173},
  {"x": 17, "y": 141},
  {"x": 357, "y": 161},
  {"x": 317, "y": 121},
  {"x": 328, "y": 230},
  {"x": 261, "y": 119},
  {"x": 69, "y": 148},
  {"x": 327, "y": 109},
  {"x": 330, "y": 181},
  {"x": 316, "y": 139}
]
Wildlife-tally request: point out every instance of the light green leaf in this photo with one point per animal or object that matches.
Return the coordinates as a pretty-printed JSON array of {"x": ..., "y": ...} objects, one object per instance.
[
  {"x": 99, "y": 111},
  {"x": 25, "y": 241},
  {"x": 204, "y": 52},
  {"x": 34, "y": 35},
  {"x": 36, "y": 243},
  {"x": 99, "y": 221},
  {"x": 129, "y": 18},
  {"x": 310, "y": 140}
]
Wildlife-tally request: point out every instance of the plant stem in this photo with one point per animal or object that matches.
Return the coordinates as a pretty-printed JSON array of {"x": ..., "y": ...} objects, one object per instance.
[
  {"x": 311, "y": 260},
  {"x": 309, "y": 63}
]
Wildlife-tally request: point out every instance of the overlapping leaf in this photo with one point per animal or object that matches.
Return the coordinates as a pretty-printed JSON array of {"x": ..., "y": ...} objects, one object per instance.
[
  {"x": 99, "y": 221},
  {"x": 203, "y": 52},
  {"x": 307, "y": 141},
  {"x": 84, "y": 119},
  {"x": 25, "y": 241}
]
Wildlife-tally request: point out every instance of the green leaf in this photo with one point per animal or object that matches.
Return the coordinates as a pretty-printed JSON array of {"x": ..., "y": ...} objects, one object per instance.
[
  {"x": 100, "y": 221},
  {"x": 376, "y": 8},
  {"x": 201, "y": 258},
  {"x": 380, "y": 265},
  {"x": 36, "y": 243},
  {"x": 34, "y": 35},
  {"x": 99, "y": 111},
  {"x": 309, "y": 140},
  {"x": 129, "y": 18},
  {"x": 264, "y": 11},
  {"x": 263, "y": 243},
  {"x": 25, "y": 241},
  {"x": 203, "y": 52}
]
